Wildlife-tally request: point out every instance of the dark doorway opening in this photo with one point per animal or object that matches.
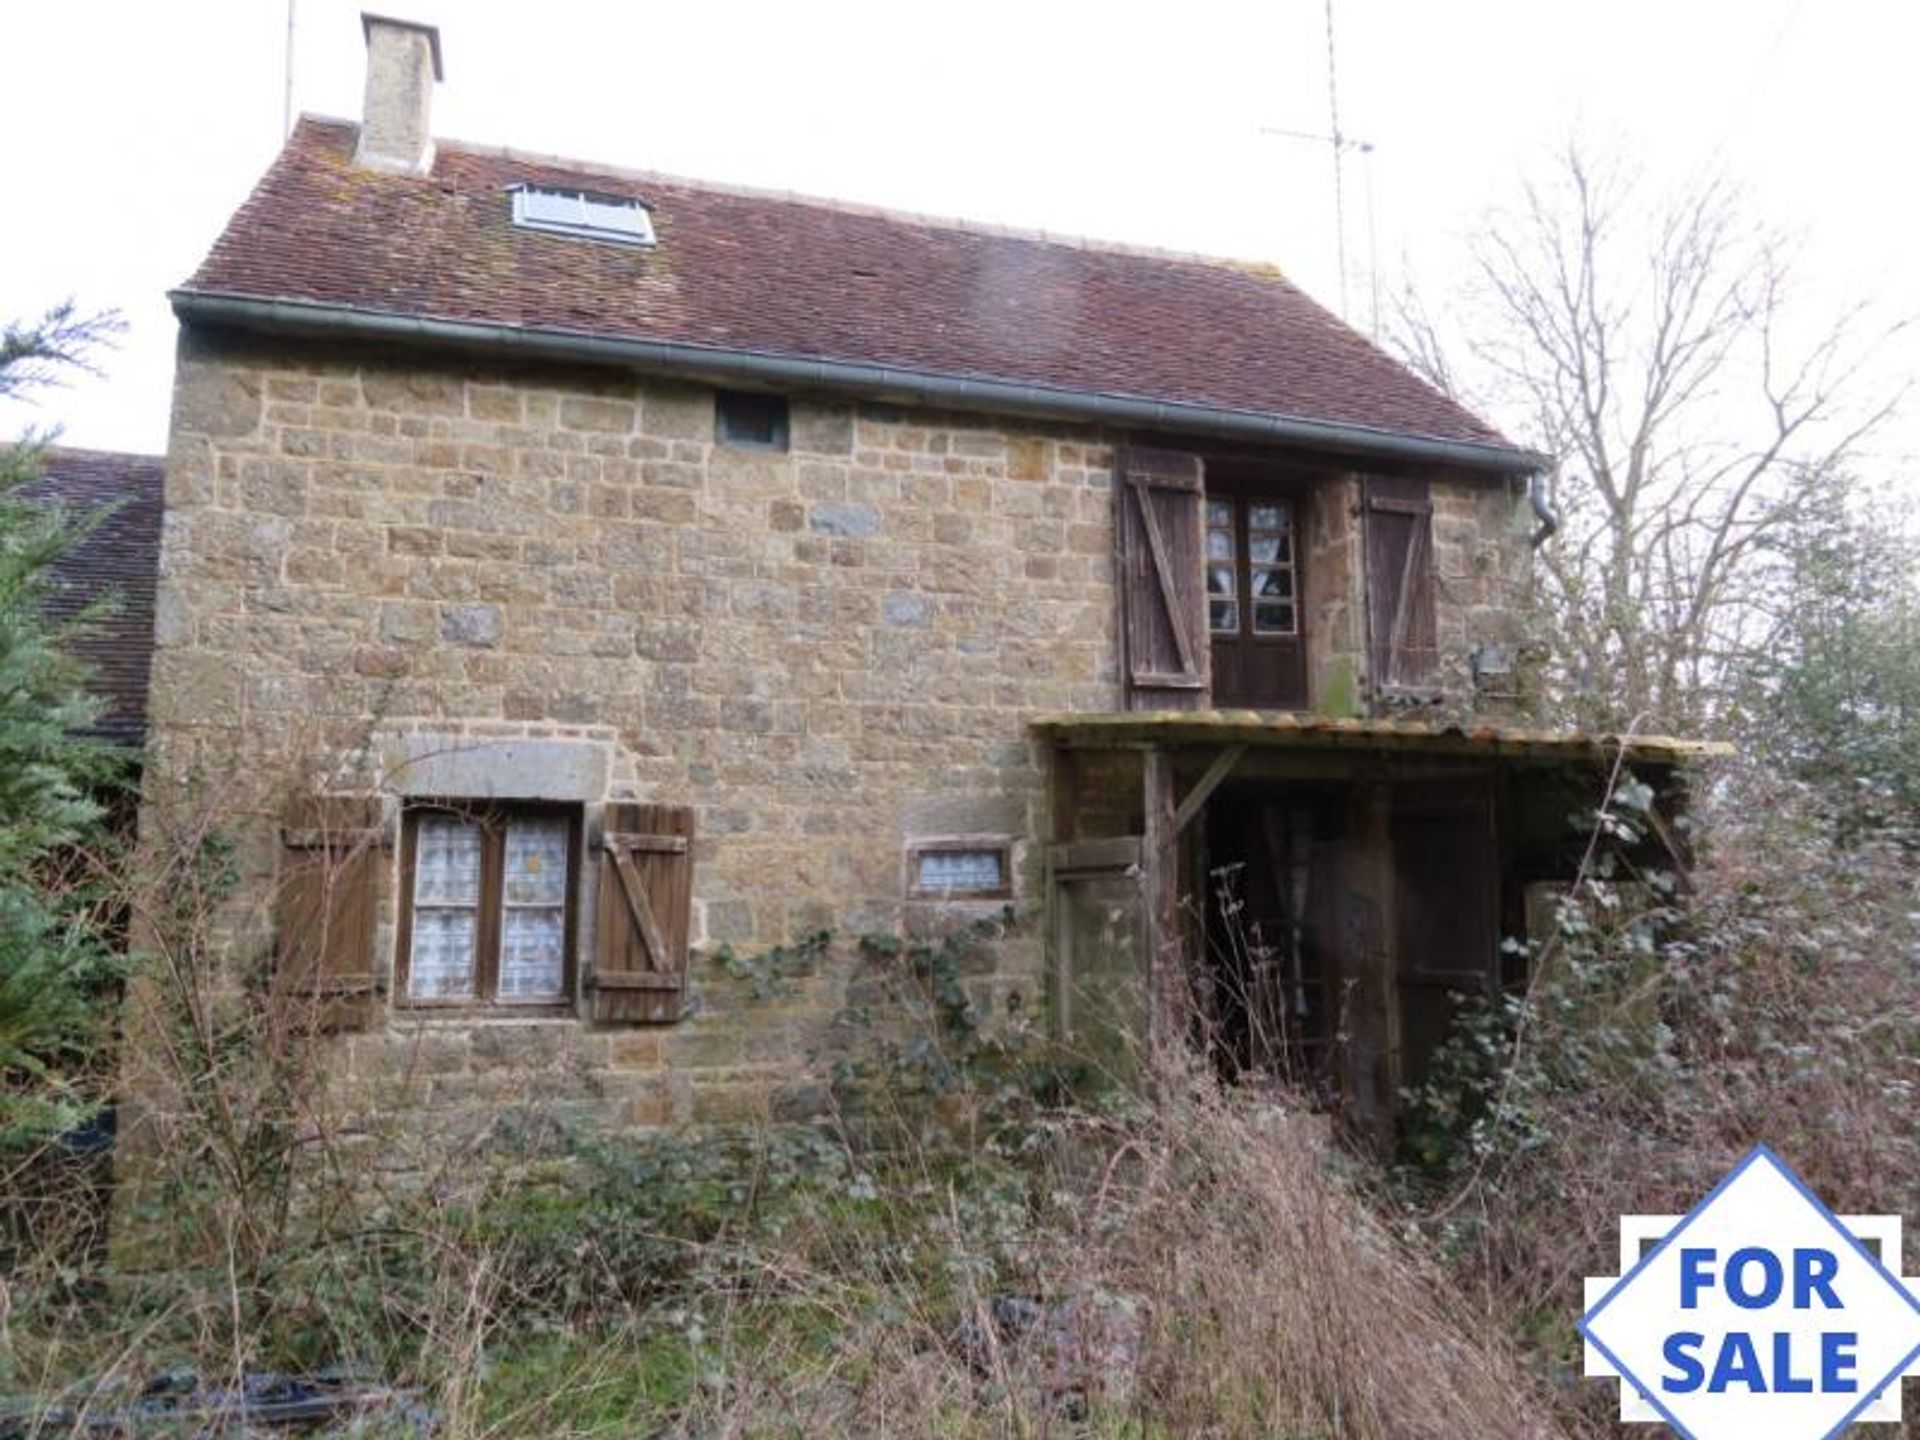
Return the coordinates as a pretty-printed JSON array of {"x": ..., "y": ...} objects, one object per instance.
[
  {"x": 1269, "y": 980},
  {"x": 1337, "y": 939}
]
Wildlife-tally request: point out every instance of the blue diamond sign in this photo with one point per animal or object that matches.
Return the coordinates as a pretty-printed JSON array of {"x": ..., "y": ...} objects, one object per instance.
[{"x": 1760, "y": 1315}]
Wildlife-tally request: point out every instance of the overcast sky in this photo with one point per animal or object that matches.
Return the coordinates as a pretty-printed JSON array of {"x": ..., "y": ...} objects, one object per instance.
[{"x": 132, "y": 129}]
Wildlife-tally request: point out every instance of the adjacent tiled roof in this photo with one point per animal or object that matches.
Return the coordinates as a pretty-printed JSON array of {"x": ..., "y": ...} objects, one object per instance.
[
  {"x": 810, "y": 279},
  {"x": 118, "y": 561}
]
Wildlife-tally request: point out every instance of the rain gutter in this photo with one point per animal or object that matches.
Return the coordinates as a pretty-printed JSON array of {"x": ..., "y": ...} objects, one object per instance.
[{"x": 892, "y": 384}]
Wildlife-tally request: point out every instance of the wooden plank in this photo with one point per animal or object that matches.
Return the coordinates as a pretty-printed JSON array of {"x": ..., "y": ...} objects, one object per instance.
[
  {"x": 1063, "y": 793},
  {"x": 1095, "y": 856},
  {"x": 1160, "y": 890},
  {"x": 1160, "y": 579},
  {"x": 1203, "y": 788},
  {"x": 652, "y": 844},
  {"x": 1172, "y": 594},
  {"x": 1369, "y": 962},
  {"x": 1398, "y": 550},
  {"x": 635, "y": 980},
  {"x": 640, "y": 909}
]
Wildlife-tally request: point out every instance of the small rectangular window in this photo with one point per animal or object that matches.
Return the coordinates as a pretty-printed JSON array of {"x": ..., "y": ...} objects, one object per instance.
[
  {"x": 487, "y": 905},
  {"x": 967, "y": 867},
  {"x": 757, "y": 422},
  {"x": 620, "y": 219}
]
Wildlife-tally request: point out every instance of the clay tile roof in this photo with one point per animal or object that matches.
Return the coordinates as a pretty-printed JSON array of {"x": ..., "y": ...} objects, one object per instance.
[
  {"x": 808, "y": 279},
  {"x": 118, "y": 561}
]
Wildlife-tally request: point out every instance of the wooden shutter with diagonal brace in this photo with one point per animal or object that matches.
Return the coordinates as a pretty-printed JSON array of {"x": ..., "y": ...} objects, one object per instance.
[
  {"x": 1403, "y": 650},
  {"x": 334, "y": 861},
  {"x": 1164, "y": 653},
  {"x": 645, "y": 914}
]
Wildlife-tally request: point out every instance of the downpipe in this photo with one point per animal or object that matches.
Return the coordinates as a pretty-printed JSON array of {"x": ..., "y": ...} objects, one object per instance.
[{"x": 1540, "y": 485}]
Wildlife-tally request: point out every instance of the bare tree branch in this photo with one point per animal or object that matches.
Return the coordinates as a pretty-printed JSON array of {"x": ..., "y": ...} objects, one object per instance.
[{"x": 1654, "y": 344}]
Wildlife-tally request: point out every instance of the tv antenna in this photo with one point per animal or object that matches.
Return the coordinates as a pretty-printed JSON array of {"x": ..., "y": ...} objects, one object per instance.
[
  {"x": 286, "y": 97},
  {"x": 1338, "y": 142}
]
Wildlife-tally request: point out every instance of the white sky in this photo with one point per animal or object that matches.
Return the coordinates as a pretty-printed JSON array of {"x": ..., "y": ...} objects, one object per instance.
[{"x": 132, "y": 129}]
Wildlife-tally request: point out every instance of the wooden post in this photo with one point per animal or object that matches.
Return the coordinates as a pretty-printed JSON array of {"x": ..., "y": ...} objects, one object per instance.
[
  {"x": 1160, "y": 894},
  {"x": 1370, "y": 961},
  {"x": 1063, "y": 797}
]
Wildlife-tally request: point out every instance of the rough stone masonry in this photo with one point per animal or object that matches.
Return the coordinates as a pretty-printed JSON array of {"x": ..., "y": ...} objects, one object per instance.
[{"x": 418, "y": 576}]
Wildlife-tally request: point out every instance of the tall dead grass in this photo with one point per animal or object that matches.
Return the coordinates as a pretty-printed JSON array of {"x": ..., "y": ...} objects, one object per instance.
[{"x": 1202, "y": 1267}]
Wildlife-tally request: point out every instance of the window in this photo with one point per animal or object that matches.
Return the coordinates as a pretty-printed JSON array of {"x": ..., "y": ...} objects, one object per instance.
[
  {"x": 969, "y": 867},
  {"x": 758, "y": 422},
  {"x": 1251, "y": 567},
  {"x": 622, "y": 220},
  {"x": 487, "y": 911}
]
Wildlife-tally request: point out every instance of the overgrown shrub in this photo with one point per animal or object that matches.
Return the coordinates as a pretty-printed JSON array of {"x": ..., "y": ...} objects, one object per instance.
[{"x": 1663, "y": 1035}]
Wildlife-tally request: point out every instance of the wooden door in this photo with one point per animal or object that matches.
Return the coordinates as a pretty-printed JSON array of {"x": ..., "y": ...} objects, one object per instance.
[
  {"x": 1255, "y": 615},
  {"x": 1446, "y": 909}
]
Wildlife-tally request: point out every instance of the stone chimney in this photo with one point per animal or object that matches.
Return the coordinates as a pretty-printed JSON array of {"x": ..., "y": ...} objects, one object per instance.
[{"x": 403, "y": 61}]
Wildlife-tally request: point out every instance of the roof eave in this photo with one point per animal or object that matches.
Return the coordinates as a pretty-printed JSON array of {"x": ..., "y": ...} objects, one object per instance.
[
  {"x": 893, "y": 384},
  {"x": 1295, "y": 731}
]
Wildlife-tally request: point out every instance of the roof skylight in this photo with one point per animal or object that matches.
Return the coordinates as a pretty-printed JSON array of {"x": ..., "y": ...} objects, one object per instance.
[{"x": 576, "y": 212}]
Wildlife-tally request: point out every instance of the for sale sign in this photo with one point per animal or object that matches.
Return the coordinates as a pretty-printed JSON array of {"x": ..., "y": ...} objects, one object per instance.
[{"x": 1761, "y": 1315}]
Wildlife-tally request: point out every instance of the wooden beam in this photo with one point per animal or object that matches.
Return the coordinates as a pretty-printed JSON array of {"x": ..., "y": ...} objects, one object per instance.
[
  {"x": 1370, "y": 966},
  {"x": 1203, "y": 788},
  {"x": 1063, "y": 794},
  {"x": 1160, "y": 896},
  {"x": 1095, "y": 857}
]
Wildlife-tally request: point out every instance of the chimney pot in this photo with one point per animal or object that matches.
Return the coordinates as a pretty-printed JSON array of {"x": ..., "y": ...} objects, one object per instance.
[{"x": 403, "y": 62}]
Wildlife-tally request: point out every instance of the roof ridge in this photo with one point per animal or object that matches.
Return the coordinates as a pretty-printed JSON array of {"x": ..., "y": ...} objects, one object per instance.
[
  {"x": 89, "y": 452},
  {"x": 1263, "y": 269}
]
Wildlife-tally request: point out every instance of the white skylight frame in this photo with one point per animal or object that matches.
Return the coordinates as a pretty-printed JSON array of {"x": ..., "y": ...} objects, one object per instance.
[{"x": 615, "y": 219}]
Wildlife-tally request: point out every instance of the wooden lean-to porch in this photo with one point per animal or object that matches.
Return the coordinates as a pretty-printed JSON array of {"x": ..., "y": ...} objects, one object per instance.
[{"x": 1305, "y": 900}]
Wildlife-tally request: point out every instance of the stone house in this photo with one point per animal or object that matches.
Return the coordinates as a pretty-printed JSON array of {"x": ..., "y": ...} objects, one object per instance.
[{"x": 628, "y": 567}]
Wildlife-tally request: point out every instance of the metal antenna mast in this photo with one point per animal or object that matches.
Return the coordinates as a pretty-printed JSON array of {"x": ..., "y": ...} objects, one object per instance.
[
  {"x": 1339, "y": 143},
  {"x": 1339, "y": 162},
  {"x": 286, "y": 99}
]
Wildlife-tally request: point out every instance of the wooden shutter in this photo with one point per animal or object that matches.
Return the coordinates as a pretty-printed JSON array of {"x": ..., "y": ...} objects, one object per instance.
[
  {"x": 1163, "y": 604},
  {"x": 333, "y": 862},
  {"x": 1402, "y": 646},
  {"x": 645, "y": 914}
]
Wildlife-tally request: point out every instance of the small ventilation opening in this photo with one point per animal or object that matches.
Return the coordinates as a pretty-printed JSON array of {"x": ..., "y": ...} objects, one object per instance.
[
  {"x": 758, "y": 422},
  {"x": 622, "y": 220}
]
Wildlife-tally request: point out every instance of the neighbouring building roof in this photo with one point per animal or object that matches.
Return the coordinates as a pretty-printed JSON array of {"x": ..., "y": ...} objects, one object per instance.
[
  {"x": 1318, "y": 732},
  {"x": 117, "y": 563},
  {"x": 778, "y": 276}
]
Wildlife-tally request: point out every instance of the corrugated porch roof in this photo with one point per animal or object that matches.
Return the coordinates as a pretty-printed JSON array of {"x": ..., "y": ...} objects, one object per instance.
[{"x": 1279, "y": 730}]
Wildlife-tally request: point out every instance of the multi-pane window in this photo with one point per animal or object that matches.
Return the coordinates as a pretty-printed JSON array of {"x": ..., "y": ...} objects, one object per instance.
[
  {"x": 1223, "y": 570},
  {"x": 1251, "y": 569},
  {"x": 488, "y": 902},
  {"x": 976, "y": 867}
]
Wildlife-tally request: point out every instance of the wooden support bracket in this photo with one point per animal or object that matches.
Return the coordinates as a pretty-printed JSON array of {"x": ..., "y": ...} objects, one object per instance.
[{"x": 1203, "y": 789}]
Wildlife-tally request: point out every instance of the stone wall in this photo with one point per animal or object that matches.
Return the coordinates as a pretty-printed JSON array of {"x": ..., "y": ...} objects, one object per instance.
[
  {"x": 388, "y": 575},
  {"x": 1335, "y": 611},
  {"x": 426, "y": 577},
  {"x": 1482, "y": 564}
]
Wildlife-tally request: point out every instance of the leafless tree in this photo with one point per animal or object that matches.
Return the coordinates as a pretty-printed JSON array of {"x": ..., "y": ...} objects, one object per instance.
[{"x": 1653, "y": 345}]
